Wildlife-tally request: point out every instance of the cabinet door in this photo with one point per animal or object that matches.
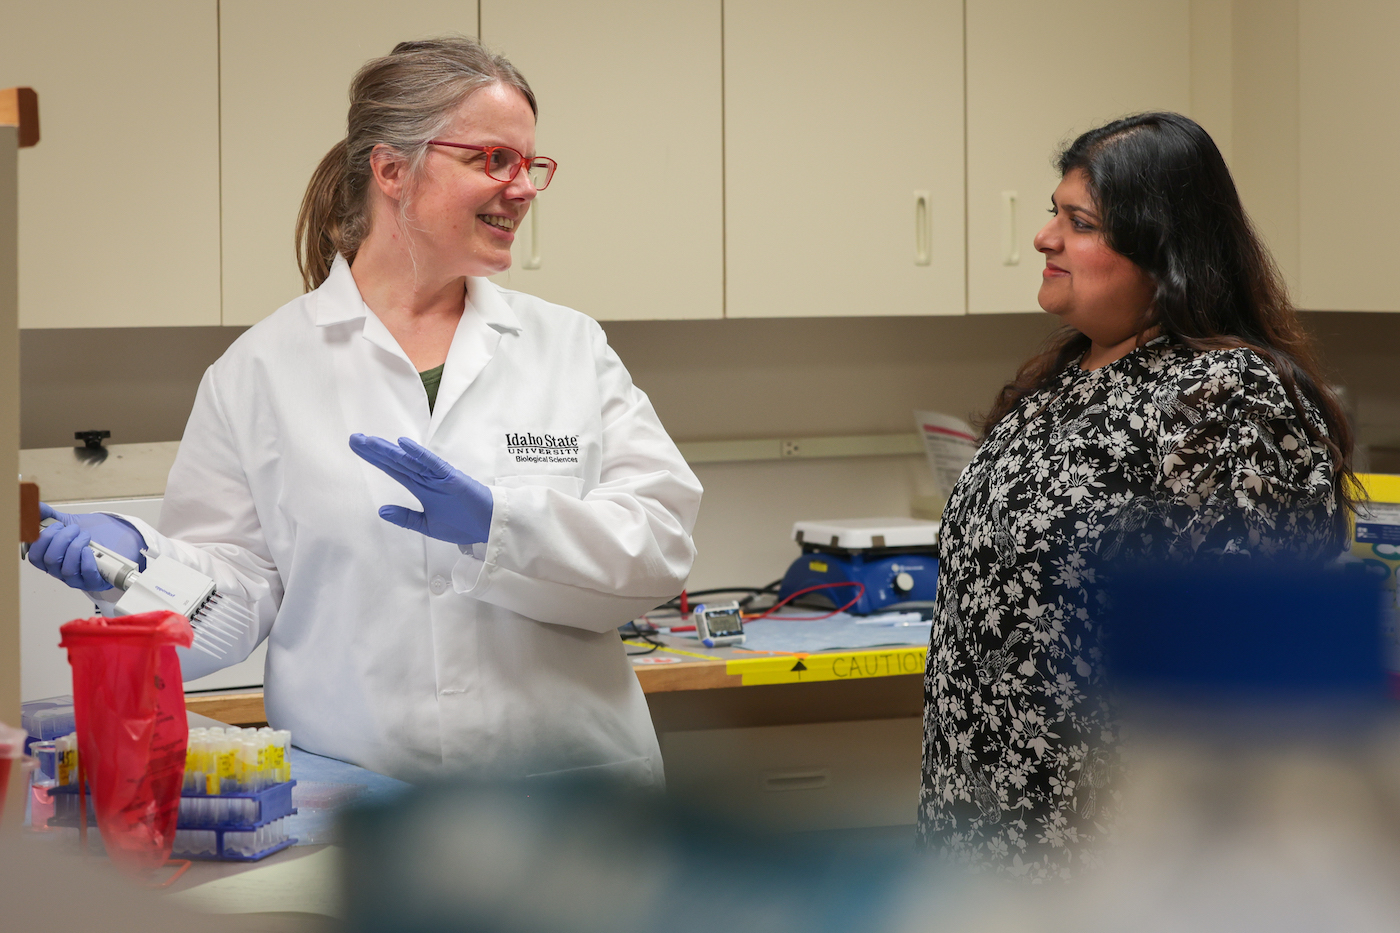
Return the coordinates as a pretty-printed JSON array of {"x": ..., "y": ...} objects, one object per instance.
[
  {"x": 843, "y": 158},
  {"x": 629, "y": 93},
  {"x": 286, "y": 70},
  {"x": 119, "y": 202},
  {"x": 1039, "y": 74},
  {"x": 1349, "y": 150}
]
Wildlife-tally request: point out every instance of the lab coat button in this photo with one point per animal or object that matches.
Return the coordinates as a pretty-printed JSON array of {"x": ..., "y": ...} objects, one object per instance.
[{"x": 438, "y": 585}]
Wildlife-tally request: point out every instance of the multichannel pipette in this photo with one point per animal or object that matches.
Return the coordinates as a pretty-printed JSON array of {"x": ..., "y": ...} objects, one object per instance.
[
  {"x": 166, "y": 584},
  {"x": 218, "y": 622}
]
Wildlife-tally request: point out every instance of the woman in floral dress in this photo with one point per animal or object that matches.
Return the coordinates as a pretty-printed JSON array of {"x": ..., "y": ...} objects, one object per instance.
[{"x": 1180, "y": 415}]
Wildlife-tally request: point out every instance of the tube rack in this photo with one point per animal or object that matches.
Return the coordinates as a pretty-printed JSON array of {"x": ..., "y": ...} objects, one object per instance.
[{"x": 243, "y": 826}]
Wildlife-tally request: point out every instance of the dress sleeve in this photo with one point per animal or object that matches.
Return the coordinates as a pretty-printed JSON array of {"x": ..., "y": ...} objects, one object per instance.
[
  {"x": 1239, "y": 475},
  {"x": 597, "y": 561},
  {"x": 208, "y": 521}
]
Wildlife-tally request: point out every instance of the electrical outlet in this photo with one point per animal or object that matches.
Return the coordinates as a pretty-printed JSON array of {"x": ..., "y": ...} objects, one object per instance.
[{"x": 791, "y": 449}]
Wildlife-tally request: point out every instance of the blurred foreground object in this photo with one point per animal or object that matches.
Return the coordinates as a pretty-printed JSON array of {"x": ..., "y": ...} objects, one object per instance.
[
  {"x": 12, "y": 758},
  {"x": 47, "y": 887},
  {"x": 1375, "y": 542},
  {"x": 1262, "y": 759},
  {"x": 586, "y": 857}
]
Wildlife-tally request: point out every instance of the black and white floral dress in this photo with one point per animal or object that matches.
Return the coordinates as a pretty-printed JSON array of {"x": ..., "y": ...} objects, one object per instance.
[{"x": 1167, "y": 452}]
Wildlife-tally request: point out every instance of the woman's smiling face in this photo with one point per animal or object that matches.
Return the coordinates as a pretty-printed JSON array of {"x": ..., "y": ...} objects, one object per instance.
[
  {"x": 462, "y": 220},
  {"x": 1100, "y": 293}
]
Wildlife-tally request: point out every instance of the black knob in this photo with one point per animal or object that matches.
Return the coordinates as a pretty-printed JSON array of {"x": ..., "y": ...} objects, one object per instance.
[{"x": 92, "y": 440}]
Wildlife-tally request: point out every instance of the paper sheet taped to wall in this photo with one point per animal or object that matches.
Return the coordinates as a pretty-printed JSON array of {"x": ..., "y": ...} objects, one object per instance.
[{"x": 949, "y": 443}]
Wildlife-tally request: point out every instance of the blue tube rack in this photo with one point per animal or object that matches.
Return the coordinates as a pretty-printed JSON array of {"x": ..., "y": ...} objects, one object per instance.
[{"x": 267, "y": 806}]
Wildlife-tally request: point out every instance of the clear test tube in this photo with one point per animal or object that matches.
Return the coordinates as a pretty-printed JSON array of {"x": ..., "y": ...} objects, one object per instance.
[
  {"x": 249, "y": 760},
  {"x": 67, "y": 752},
  {"x": 211, "y": 762},
  {"x": 201, "y": 761},
  {"x": 264, "y": 758},
  {"x": 227, "y": 752},
  {"x": 46, "y": 753},
  {"x": 284, "y": 743},
  {"x": 267, "y": 756},
  {"x": 273, "y": 757},
  {"x": 190, "y": 782}
]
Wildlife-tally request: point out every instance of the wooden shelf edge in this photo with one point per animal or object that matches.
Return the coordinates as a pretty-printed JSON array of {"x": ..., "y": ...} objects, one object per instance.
[
  {"x": 19, "y": 106},
  {"x": 236, "y": 709},
  {"x": 688, "y": 675}
]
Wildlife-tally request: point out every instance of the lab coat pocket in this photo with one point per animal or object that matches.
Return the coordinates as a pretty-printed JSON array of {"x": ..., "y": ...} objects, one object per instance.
[
  {"x": 564, "y": 482},
  {"x": 634, "y": 772}
]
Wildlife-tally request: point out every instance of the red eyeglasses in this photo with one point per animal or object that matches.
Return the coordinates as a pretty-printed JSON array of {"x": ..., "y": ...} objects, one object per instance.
[{"x": 503, "y": 163}]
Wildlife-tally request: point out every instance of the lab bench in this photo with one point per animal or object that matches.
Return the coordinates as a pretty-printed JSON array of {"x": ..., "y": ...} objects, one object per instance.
[{"x": 821, "y": 741}]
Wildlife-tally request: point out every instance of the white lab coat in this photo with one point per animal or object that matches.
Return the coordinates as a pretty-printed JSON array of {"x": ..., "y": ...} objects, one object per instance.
[{"x": 402, "y": 653}]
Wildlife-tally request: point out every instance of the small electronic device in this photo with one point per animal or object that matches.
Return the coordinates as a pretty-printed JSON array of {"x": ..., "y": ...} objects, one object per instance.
[{"x": 720, "y": 624}]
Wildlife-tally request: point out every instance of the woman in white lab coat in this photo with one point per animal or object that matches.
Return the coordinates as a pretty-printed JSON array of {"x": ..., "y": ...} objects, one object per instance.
[{"x": 439, "y": 497}]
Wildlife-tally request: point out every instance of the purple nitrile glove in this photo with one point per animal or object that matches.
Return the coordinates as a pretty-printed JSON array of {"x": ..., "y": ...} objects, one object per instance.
[
  {"x": 456, "y": 508},
  {"x": 62, "y": 550}
]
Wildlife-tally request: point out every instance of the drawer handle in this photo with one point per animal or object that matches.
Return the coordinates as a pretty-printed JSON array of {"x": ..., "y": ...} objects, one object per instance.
[
  {"x": 923, "y": 232},
  {"x": 796, "y": 780},
  {"x": 535, "y": 260},
  {"x": 1011, "y": 249}
]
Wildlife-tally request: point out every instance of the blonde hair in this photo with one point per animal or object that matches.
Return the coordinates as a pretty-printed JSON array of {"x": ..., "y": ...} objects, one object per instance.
[{"x": 399, "y": 101}]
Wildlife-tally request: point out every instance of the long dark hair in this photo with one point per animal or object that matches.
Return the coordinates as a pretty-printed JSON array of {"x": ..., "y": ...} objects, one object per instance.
[{"x": 1167, "y": 202}]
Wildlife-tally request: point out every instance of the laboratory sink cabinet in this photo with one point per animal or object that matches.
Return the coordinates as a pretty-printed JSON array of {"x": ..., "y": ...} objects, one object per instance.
[
  {"x": 813, "y": 776},
  {"x": 823, "y": 755}
]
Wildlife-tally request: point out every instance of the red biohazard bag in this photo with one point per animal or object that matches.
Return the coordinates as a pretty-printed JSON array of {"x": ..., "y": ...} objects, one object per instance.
[{"x": 129, "y": 703}]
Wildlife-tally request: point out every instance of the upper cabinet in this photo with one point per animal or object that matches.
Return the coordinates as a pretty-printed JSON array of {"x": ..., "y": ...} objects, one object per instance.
[
  {"x": 1348, "y": 153},
  {"x": 1038, "y": 74},
  {"x": 287, "y": 66},
  {"x": 119, "y": 202},
  {"x": 631, "y": 228},
  {"x": 843, "y": 158},
  {"x": 748, "y": 158}
]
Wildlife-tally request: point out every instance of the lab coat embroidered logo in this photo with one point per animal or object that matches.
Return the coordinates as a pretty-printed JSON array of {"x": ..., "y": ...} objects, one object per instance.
[{"x": 542, "y": 448}]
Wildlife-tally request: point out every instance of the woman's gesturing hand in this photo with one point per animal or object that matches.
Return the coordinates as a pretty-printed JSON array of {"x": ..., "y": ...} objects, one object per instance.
[{"x": 456, "y": 508}]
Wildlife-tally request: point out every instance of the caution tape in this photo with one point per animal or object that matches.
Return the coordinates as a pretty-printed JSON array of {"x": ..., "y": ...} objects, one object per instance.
[{"x": 851, "y": 665}]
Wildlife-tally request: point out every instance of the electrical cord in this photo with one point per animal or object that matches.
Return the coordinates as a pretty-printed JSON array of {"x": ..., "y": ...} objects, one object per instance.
[
  {"x": 753, "y": 592},
  {"x": 860, "y": 591},
  {"x": 644, "y": 634}
]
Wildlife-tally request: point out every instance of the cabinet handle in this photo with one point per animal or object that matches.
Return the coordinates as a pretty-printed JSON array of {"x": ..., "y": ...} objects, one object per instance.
[
  {"x": 535, "y": 260},
  {"x": 1011, "y": 248},
  {"x": 795, "y": 780},
  {"x": 923, "y": 232}
]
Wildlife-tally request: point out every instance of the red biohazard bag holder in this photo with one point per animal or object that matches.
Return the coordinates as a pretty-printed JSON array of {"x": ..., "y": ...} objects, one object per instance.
[{"x": 129, "y": 703}]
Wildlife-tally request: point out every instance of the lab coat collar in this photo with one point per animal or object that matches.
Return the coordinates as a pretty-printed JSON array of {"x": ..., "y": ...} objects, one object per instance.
[
  {"x": 338, "y": 300},
  {"x": 338, "y": 297},
  {"x": 485, "y": 297},
  {"x": 487, "y": 318}
]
